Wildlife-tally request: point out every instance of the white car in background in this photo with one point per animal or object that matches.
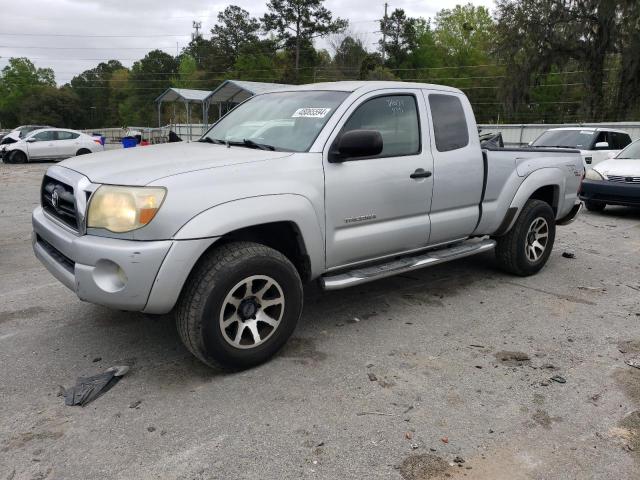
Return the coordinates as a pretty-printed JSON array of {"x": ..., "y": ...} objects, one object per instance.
[
  {"x": 613, "y": 182},
  {"x": 50, "y": 144},
  {"x": 20, "y": 132},
  {"x": 595, "y": 144}
]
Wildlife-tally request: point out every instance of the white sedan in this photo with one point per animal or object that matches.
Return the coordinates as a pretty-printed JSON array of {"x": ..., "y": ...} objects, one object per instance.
[
  {"x": 50, "y": 144},
  {"x": 613, "y": 182}
]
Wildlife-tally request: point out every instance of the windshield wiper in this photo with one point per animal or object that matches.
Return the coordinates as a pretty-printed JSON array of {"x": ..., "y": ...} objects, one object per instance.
[
  {"x": 217, "y": 141},
  {"x": 262, "y": 146}
]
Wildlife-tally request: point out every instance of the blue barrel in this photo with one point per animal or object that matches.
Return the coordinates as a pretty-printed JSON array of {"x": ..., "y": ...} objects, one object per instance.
[{"x": 129, "y": 142}]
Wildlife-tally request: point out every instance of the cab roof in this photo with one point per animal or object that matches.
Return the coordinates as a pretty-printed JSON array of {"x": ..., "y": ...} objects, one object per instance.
[{"x": 364, "y": 86}]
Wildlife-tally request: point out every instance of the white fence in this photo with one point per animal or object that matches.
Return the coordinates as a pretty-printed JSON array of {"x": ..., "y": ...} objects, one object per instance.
[
  {"x": 513, "y": 135},
  {"x": 519, "y": 135},
  {"x": 153, "y": 135}
]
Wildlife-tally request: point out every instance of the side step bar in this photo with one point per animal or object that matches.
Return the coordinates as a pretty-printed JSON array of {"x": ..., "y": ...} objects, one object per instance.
[{"x": 405, "y": 264}]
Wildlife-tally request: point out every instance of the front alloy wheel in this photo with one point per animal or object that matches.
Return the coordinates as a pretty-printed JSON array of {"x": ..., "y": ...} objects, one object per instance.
[{"x": 251, "y": 312}]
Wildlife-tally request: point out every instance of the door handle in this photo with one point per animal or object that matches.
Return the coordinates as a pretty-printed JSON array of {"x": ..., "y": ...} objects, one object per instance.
[{"x": 420, "y": 173}]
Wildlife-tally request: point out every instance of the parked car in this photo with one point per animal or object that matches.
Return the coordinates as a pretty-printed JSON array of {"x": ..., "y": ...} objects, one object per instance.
[
  {"x": 614, "y": 182},
  {"x": 50, "y": 144},
  {"x": 20, "y": 132},
  {"x": 595, "y": 144},
  {"x": 341, "y": 183}
]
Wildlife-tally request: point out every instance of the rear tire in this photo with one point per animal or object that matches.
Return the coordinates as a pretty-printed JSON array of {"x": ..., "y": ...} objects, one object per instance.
[
  {"x": 525, "y": 249},
  {"x": 239, "y": 306},
  {"x": 594, "y": 206},
  {"x": 83, "y": 151}
]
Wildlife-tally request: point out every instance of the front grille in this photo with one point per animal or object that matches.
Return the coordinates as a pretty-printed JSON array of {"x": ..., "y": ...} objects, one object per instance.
[
  {"x": 57, "y": 255},
  {"x": 621, "y": 179},
  {"x": 58, "y": 201}
]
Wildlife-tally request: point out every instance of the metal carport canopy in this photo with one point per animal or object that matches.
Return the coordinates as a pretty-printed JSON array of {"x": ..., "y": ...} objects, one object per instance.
[
  {"x": 184, "y": 94},
  {"x": 237, "y": 91}
]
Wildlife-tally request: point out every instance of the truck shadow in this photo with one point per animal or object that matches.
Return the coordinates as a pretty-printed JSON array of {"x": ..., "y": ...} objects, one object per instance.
[{"x": 152, "y": 346}]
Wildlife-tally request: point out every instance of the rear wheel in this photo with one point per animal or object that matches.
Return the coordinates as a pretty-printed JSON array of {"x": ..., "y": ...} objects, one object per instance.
[
  {"x": 240, "y": 305},
  {"x": 594, "y": 206},
  {"x": 525, "y": 249},
  {"x": 82, "y": 151}
]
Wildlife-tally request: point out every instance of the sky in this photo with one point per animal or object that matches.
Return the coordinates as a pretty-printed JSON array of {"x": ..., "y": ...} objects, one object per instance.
[{"x": 71, "y": 36}]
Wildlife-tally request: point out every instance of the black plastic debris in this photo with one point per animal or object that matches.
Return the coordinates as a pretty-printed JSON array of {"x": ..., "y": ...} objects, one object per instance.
[
  {"x": 568, "y": 255},
  {"x": 88, "y": 389}
]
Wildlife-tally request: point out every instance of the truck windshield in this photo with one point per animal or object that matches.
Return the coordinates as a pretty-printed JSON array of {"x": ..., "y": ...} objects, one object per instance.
[
  {"x": 288, "y": 121},
  {"x": 632, "y": 152},
  {"x": 581, "y": 139}
]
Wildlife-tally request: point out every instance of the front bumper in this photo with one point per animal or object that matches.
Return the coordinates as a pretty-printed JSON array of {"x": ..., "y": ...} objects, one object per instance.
[
  {"x": 122, "y": 274},
  {"x": 610, "y": 192}
]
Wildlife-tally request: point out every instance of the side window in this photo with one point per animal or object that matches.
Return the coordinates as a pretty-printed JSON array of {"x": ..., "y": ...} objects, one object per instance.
[
  {"x": 395, "y": 117},
  {"x": 449, "y": 122},
  {"x": 62, "y": 135},
  {"x": 620, "y": 140},
  {"x": 45, "y": 136}
]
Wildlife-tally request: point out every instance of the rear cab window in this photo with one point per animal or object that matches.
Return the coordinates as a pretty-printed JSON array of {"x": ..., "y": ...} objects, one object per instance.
[{"x": 450, "y": 128}]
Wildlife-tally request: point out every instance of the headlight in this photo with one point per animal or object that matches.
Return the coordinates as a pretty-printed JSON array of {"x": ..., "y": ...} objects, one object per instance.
[
  {"x": 592, "y": 174},
  {"x": 123, "y": 209}
]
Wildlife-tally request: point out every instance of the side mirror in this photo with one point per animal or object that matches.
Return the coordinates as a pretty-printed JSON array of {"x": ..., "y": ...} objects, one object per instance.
[
  {"x": 31, "y": 140},
  {"x": 355, "y": 144},
  {"x": 602, "y": 146}
]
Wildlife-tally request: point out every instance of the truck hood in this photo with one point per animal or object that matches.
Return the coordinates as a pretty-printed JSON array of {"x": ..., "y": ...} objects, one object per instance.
[
  {"x": 619, "y": 167},
  {"x": 143, "y": 165}
]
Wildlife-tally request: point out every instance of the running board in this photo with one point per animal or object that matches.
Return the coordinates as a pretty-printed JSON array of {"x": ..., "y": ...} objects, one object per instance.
[{"x": 405, "y": 264}]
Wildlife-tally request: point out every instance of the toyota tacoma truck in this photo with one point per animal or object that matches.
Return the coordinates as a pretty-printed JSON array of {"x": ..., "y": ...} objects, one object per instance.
[{"x": 340, "y": 183}]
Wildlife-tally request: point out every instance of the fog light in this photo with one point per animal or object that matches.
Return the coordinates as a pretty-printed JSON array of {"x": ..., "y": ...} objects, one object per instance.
[{"x": 109, "y": 276}]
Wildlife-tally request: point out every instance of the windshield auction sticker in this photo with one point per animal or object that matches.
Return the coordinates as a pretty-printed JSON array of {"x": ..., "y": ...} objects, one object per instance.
[{"x": 311, "y": 112}]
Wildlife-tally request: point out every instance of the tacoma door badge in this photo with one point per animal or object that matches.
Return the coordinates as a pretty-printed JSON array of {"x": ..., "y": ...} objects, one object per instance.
[{"x": 361, "y": 218}]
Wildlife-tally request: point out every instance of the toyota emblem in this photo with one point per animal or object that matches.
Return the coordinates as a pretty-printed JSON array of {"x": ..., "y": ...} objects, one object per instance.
[{"x": 55, "y": 199}]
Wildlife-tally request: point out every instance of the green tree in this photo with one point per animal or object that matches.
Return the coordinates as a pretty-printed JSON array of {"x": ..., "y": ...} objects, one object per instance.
[
  {"x": 93, "y": 89},
  {"x": 235, "y": 30},
  {"x": 298, "y": 22},
  {"x": 627, "y": 97},
  {"x": 18, "y": 80},
  {"x": 400, "y": 37},
  {"x": 350, "y": 53},
  {"x": 536, "y": 36},
  {"x": 465, "y": 33},
  {"x": 49, "y": 105},
  {"x": 188, "y": 75},
  {"x": 149, "y": 77}
]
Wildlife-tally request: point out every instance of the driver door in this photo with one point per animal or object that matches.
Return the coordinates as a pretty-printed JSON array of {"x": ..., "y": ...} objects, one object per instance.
[
  {"x": 374, "y": 208},
  {"x": 42, "y": 145}
]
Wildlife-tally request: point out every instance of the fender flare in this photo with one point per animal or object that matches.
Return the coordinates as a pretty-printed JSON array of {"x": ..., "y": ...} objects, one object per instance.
[
  {"x": 251, "y": 211},
  {"x": 544, "y": 177}
]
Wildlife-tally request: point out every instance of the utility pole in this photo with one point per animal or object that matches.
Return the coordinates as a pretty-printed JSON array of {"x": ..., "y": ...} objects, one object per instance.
[
  {"x": 197, "y": 26},
  {"x": 384, "y": 31}
]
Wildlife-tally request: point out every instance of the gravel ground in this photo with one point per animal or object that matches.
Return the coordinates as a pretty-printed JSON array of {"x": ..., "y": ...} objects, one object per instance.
[{"x": 441, "y": 373}]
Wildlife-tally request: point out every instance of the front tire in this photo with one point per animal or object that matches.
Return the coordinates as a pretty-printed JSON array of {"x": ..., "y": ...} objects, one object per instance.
[
  {"x": 16, "y": 157},
  {"x": 593, "y": 206},
  {"x": 239, "y": 306},
  {"x": 525, "y": 249}
]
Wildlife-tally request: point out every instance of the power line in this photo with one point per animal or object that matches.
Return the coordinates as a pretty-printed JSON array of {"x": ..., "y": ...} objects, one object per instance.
[{"x": 84, "y": 35}]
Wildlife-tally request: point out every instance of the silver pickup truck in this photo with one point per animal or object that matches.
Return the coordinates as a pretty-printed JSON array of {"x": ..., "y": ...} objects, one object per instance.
[{"x": 342, "y": 183}]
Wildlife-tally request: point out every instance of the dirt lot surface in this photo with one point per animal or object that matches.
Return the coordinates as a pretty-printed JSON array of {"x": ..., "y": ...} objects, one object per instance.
[{"x": 443, "y": 373}]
